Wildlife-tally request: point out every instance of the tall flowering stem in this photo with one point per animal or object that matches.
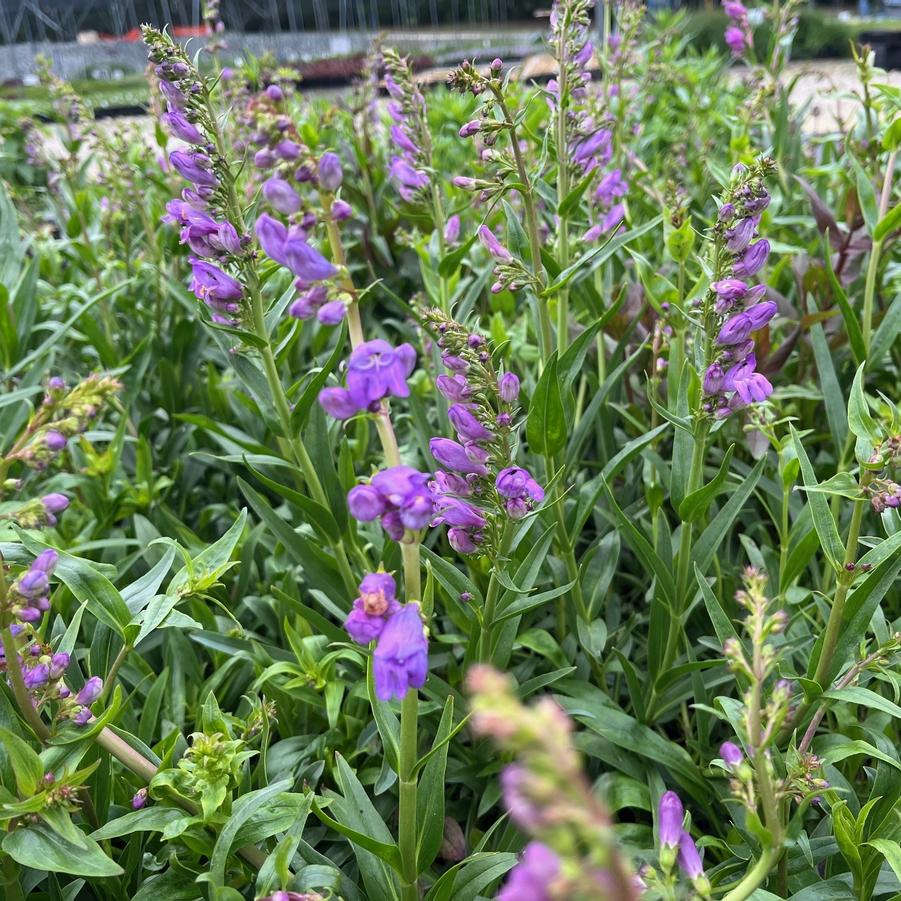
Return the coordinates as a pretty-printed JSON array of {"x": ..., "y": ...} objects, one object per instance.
[{"x": 192, "y": 117}]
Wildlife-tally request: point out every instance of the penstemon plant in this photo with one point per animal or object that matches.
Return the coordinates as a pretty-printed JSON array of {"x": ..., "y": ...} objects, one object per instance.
[{"x": 484, "y": 490}]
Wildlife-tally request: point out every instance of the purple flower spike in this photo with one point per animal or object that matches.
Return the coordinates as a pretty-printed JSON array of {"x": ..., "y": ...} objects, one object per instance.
[
  {"x": 669, "y": 819},
  {"x": 330, "y": 174},
  {"x": 735, "y": 40},
  {"x": 531, "y": 879},
  {"x": 403, "y": 140},
  {"x": 376, "y": 370},
  {"x": 281, "y": 196},
  {"x": 401, "y": 661},
  {"x": 689, "y": 859},
  {"x": 492, "y": 245},
  {"x": 731, "y": 754},
  {"x": 523, "y": 811}
]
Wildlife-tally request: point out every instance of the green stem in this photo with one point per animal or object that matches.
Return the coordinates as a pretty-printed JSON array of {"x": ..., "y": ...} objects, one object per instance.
[
  {"x": 407, "y": 829},
  {"x": 486, "y": 635},
  {"x": 562, "y": 193},
  {"x": 114, "y": 670},
  {"x": 834, "y": 625},
  {"x": 869, "y": 292},
  {"x": 754, "y": 877},
  {"x": 545, "y": 331},
  {"x": 14, "y": 671}
]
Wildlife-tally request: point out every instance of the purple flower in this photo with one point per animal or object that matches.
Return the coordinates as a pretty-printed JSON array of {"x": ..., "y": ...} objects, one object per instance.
[
  {"x": 464, "y": 182},
  {"x": 330, "y": 174},
  {"x": 689, "y": 859},
  {"x": 364, "y": 502},
  {"x": 55, "y": 503},
  {"x": 669, "y": 819},
  {"x": 140, "y": 799},
  {"x": 393, "y": 88},
  {"x": 401, "y": 660},
  {"x": 453, "y": 511},
  {"x": 583, "y": 57},
  {"x": 750, "y": 386},
  {"x": 337, "y": 403},
  {"x": 264, "y": 159},
  {"x": 83, "y": 717},
  {"x": 288, "y": 150},
  {"x": 523, "y": 811},
  {"x": 516, "y": 483},
  {"x": 596, "y": 146},
  {"x": 407, "y": 178},
  {"x": 332, "y": 313},
  {"x": 341, "y": 210},
  {"x": 175, "y": 98},
  {"x": 734, "y": 9},
  {"x": 736, "y": 329},
  {"x": 281, "y": 196},
  {"x": 466, "y": 425},
  {"x": 288, "y": 248},
  {"x": 508, "y": 387},
  {"x": 274, "y": 93},
  {"x": 753, "y": 259},
  {"x": 214, "y": 287},
  {"x": 454, "y": 387},
  {"x": 739, "y": 237},
  {"x": 492, "y": 245},
  {"x": 195, "y": 167},
  {"x": 309, "y": 302},
  {"x": 462, "y": 541},
  {"x": 713, "y": 379},
  {"x": 272, "y": 235},
  {"x": 614, "y": 216},
  {"x": 730, "y": 289},
  {"x": 54, "y": 441},
  {"x": 58, "y": 664},
  {"x": 36, "y": 676},
  {"x": 531, "y": 879},
  {"x": 178, "y": 124},
  {"x": 376, "y": 369},
  {"x": 611, "y": 186},
  {"x": 470, "y": 128},
  {"x": 406, "y": 489},
  {"x": 454, "y": 456},
  {"x": 452, "y": 229},
  {"x": 402, "y": 139},
  {"x": 91, "y": 690},
  {"x": 376, "y": 603},
  {"x": 731, "y": 754},
  {"x": 735, "y": 40}
]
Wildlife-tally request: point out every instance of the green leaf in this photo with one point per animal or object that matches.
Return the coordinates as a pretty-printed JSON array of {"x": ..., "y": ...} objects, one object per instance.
[
  {"x": 430, "y": 795},
  {"x": 722, "y": 625},
  {"x": 866, "y": 194},
  {"x": 891, "y": 851},
  {"x": 39, "y": 847},
  {"x": 842, "y": 484},
  {"x": 696, "y": 504},
  {"x": 571, "y": 201},
  {"x": 823, "y": 522},
  {"x": 450, "y": 262},
  {"x": 546, "y": 428},
  {"x": 150, "y": 819},
  {"x": 864, "y": 697},
  {"x": 888, "y": 223},
  {"x": 301, "y": 412},
  {"x": 860, "y": 422},
  {"x": 211, "y": 561},
  {"x": 24, "y": 761},
  {"x": 852, "y": 325},
  {"x": 833, "y": 398},
  {"x": 885, "y": 335},
  {"x": 466, "y": 880},
  {"x": 846, "y": 749}
]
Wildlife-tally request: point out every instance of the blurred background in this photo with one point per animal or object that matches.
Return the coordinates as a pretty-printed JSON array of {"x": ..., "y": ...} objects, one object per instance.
[{"x": 96, "y": 44}]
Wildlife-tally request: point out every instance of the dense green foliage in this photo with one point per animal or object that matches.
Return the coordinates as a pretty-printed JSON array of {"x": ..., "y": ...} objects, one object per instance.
[{"x": 208, "y": 558}]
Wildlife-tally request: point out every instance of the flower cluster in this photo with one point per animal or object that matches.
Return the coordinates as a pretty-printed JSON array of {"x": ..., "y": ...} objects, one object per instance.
[
  {"x": 410, "y": 165},
  {"x": 733, "y": 307},
  {"x": 63, "y": 414},
  {"x": 739, "y": 36},
  {"x": 207, "y": 223},
  {"x": 375, "y": 370},
  {"x": 883, "y": 490},
  {"x": 399, "y": 497},
  {"x": 676, "y": 846},
  {"x": 574, "y": 853},
  {"x": 400, "y": 660},
  {"x": 479, "y": 488}
]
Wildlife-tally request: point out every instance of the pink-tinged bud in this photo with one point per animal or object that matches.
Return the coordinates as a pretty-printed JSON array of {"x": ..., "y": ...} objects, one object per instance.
[
  {"x": 140, "y": 799},
  {"x": 92, "y": 690},
  {"x": 470, "y": 128},
  {"x": 55, "y": 441},
  {"x": 467, "y": 184},
  {"x": 275, "y": 93},
  {"x": 281, "y": 196},
  {"x": 55, "y": 503},
  {"x": 496, "y": 64}
]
